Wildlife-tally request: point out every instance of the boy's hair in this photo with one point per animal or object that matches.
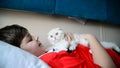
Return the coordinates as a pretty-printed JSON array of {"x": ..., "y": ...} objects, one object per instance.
[{"x": 13, "y": 34}]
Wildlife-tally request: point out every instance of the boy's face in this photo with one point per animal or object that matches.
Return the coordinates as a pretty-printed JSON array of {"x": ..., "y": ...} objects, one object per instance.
[{"x": 32, "y": 45}]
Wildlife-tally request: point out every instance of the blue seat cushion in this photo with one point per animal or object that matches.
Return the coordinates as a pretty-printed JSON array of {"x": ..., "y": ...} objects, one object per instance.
[
  {"x": 90, "y": 9},
  {"x": 42, "y": 6}
]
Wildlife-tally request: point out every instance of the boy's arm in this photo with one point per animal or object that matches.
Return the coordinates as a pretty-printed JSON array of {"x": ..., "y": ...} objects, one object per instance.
[{"x": 100, "y": 56}]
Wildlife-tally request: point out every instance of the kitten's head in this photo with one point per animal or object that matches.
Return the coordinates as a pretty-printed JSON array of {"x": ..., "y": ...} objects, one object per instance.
[{"x": 55, "y": 35}]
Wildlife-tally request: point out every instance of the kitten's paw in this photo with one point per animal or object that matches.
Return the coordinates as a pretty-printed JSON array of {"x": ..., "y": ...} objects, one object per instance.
[
  {"x": 90, "y": 51},
  {"x": 73, "y": 45}
]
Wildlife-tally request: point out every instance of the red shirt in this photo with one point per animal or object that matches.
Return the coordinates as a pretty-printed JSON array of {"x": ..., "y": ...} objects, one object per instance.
[{"x": 79, "y": 58}]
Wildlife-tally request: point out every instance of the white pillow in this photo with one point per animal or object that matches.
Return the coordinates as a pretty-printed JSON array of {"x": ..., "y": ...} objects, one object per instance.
[{"x": 14, "y": 57}]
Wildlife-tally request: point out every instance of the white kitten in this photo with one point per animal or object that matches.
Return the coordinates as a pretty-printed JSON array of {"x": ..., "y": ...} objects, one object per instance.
[{"x": 56, "y": 38}]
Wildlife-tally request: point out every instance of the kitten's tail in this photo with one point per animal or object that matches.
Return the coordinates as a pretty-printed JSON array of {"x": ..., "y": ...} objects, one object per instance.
[
  {"x": 116, "y": 48},
  {"x": 111, "y": 45}
]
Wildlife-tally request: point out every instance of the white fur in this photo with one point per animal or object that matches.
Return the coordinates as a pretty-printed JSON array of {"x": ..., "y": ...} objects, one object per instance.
[
  {"x": 56, "y": 38},
  {"x": 111, "y": 45}
]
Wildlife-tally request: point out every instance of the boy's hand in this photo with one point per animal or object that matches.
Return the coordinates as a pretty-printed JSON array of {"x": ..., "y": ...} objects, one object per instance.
[{"x": 69, "y": 37}]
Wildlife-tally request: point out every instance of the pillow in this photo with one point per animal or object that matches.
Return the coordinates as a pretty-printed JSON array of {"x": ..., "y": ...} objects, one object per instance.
[{"x": 14, "y": 57}]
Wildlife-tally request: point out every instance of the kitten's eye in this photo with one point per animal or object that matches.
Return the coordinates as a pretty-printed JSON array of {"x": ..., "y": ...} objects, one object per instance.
[
  {"x": 51, "y": 36},
  {"x": 56, "y": 33}
]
